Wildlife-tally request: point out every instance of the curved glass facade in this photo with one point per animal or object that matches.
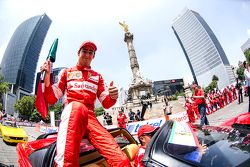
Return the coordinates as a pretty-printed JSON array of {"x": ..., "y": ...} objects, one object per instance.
[
  {"x": 203, "y": 51},
  {"x": 246, "y": 46},
  {"x": 21, "y": 55}
]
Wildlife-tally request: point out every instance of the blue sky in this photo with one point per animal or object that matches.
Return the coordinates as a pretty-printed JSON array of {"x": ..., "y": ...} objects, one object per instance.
[{"x": 159, "y": 54}]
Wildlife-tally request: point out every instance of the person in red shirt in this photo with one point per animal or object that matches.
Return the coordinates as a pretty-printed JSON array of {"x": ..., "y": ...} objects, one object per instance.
[
  {"x": 230, "y": 94},
  {"x": 195, "y": 109},
  {"x": 201, "y": 102},
  {"x": 81, "y": 86},
  {"x": 122, "y": 119},
  {"x": 145, "y": 134},
  {"x": 190, "y": 111}
]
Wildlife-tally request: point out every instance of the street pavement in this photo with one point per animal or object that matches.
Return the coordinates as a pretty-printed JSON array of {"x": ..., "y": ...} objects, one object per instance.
[
  {"x": 229, "y": 111},
  {"x": 8, "y": 155}
]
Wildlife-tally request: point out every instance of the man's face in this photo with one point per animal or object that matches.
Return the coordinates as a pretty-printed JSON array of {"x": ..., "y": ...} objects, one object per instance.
[
  {"x": 145, "y": 139},
  {"x": 195, "y": 88},
  {"x": 85, "y": 56}
]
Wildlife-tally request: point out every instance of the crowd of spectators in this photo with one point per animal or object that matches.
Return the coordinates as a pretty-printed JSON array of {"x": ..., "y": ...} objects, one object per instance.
[{"x": 215, "y": 100}]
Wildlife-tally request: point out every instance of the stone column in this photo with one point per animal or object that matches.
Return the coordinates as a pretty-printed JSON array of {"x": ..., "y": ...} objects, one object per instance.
[{"x": 132, "y": 56}]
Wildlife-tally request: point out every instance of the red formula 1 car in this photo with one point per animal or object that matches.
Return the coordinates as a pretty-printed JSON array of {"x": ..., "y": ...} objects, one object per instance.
[
  {"x": 174, "y": 144},
  {"x": 41, "y": 152}
]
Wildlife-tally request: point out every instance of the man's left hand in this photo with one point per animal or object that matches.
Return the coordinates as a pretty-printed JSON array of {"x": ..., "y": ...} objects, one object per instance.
[{"x": 113, "y": 91}]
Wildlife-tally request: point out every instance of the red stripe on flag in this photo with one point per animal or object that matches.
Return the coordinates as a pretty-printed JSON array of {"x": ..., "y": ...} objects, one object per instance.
[{"x": 40, "y": 103}]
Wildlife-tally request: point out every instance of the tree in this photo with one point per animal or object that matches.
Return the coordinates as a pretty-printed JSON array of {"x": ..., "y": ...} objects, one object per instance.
[
  {"x": 240, "y": 72},
  {"x": 57, "y": 108},
  {"x": 4, "y": 87},
  {"x": 25, "y": 106},
  {"x": 99, "y": 111},
  {"x": 215, "y": 78},
  {"x": 211, "y": 86},
  {"x": 35, "y": 116},
  {"x": 247, "y": 54}
]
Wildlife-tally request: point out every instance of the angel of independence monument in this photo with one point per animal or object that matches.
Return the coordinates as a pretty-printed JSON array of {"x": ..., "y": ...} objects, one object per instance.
[{"x": 139, "y": 85}]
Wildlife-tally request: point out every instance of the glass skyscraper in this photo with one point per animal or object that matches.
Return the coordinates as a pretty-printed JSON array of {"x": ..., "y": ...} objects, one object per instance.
[
  {"x": 21, "y": 55},
  {"x": 203, "y": 51},
  {"x": 246, "y": 46}
]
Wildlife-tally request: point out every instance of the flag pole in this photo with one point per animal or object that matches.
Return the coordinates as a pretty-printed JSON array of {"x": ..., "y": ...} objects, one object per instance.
[
  {"x": 40, "y": 102},
  {"x": 51, "y": 56}
]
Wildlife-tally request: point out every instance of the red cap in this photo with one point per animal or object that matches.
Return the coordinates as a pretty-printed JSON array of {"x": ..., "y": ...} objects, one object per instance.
[
  {"x": 146, "y": 129},
  {"x": 88, "y": 43},
  {"x": 194, "y": 85}
]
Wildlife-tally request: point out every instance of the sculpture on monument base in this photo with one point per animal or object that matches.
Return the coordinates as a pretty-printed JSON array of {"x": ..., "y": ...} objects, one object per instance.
[
  {"x": 124, "y": 25},
  {"x": 139, "y": 85}
]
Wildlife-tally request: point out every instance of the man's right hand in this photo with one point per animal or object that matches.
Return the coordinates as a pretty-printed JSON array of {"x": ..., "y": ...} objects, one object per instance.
[{"x": 46, "y": 67}]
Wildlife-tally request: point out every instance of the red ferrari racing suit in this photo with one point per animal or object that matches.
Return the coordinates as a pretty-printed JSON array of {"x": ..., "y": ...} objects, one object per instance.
[
  {"x": 80, "y": 87},
  {"x": 121, "y": 119},
  {"x": 138, "y": 157}
]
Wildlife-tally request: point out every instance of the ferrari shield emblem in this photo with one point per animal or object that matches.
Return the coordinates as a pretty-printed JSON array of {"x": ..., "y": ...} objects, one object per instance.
[{"x": 89, "y": 74}]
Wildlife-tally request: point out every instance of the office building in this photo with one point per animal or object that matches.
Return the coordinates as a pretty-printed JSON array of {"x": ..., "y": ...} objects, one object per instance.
[
  {"x": 202, "y": 50},
  {"x": 246, "y": 46},
  {"x": 168, "y": 87},
  {"x": 20, "y": 59}
]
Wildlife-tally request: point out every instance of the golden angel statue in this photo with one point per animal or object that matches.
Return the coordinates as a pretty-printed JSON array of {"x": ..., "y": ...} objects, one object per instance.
[{"x": 125, "y": 26}]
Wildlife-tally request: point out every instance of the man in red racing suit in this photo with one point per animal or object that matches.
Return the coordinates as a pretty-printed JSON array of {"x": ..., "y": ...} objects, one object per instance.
[
  {"x": 121, "y": 119},
  {"x": 80, "y": 86}
]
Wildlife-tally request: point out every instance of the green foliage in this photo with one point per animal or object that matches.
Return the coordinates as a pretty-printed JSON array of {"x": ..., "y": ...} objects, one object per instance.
[
  {"x": 247, "y": 54},
  {"x": 179, "y": 93},
  {"x": 57, "y": 108},
  {"x": 214, "y": 84},
  {"x": 172, "y": 97},
  {"x": 99, "y": 111},
  {"x": 215, "y": 78},
  {"x": 207, "y": 89},
  {"x": 25, "y": 105},
  {"x": 211, "y": 86},
  {"x": 4, "y": 87},
  {"x": 240, "y": 73},
  {"x": 35, "y": 116}
]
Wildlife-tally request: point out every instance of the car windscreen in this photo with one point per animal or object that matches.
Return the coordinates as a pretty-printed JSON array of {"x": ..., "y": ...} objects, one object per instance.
[{"x": 208, "y": 146}]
